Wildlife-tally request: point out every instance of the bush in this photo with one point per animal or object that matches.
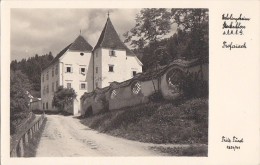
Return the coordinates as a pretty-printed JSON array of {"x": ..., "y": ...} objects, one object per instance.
[
  {"x": 156, "y": 97},
  {"x": 63, "y": 97},
  {"x": 193, "y": 86},
  {"x": 19, "y": 100}
]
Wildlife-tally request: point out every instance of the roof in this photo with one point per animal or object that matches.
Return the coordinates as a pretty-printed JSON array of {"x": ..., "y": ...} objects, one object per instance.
[
  {"x": 57, "y": 57},
  {"x": 79, "y": 44},
  {"x": 110, "y": 39}
]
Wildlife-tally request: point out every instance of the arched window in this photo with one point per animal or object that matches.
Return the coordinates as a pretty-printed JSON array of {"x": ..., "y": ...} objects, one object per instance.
[{"x": 136, "y": 87}]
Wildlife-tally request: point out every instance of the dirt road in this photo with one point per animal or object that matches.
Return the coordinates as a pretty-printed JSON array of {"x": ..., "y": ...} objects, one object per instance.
[{"x": 66, "y": 136}]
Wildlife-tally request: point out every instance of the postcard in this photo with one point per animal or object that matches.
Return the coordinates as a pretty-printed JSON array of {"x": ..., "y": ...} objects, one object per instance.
[{"x": 130, "y": 82}]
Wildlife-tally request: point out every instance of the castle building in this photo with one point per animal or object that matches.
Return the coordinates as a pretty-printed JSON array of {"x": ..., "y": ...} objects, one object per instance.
[
  {"x": 83, "y": 68},
  {"x": 113, "y": 61}
]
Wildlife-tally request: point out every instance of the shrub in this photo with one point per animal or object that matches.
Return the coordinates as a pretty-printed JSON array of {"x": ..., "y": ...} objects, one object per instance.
[
  {"x": 63, "y": 96},
  {"x": 19, "y": 100},
  {"x": 156, "y": 97},
  {"x": 192, "y": 86}
]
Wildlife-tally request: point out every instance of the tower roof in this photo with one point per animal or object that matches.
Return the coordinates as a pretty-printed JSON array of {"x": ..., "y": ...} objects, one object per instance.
[{"x": 110, "y": 39}]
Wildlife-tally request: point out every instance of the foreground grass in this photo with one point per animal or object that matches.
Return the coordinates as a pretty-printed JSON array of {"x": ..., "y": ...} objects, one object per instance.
[
  {"x": 184, "y": 151},
  {"x": 160, "y": 123}
]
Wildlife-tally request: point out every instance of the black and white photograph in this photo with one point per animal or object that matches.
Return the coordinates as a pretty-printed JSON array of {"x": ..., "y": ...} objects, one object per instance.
[
  {"x": 109, "y": 82},
  {"x": 130, "y": 82}
]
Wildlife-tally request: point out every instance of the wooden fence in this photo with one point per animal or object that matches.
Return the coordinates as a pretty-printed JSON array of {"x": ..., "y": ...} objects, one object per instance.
[{"x": 23, "y": 140}]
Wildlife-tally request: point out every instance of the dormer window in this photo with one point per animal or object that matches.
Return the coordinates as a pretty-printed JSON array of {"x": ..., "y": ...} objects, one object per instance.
[
  {"x": 112, "y": 53},
  {"x": 82, "y": 54}
]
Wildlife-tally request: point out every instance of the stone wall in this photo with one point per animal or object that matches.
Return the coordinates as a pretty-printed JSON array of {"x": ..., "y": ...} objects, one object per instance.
[{"x": 138, "y": 89}]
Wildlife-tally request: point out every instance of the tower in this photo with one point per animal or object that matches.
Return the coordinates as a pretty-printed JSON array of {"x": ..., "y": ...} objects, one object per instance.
[{"x": 113, "y": 61}]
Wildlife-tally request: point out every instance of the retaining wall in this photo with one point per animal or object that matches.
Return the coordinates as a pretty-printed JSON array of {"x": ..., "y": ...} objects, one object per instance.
[{"x": 138, "y": 89}]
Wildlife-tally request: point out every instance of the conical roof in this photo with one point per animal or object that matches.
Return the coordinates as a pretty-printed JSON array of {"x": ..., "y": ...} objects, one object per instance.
[
  {"x": 80, "y": 44},
  {"x": 109, "y": 38}
]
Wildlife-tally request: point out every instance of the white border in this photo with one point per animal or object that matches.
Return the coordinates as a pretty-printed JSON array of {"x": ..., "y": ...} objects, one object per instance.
[{"x": 234, "y": 84}]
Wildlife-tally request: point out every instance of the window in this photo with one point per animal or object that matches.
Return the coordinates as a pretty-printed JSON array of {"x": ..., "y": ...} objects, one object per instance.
[
  {"x": 43, "y": 78},
  {"x": 82, "y": 70},
  {"x": 47, "y": 89},
  {"x": 134, "y": 73},
  {"x": 47, "y": 76},
  {"x": 111, "y": 68},
  {"x": 43, "y": 106},
  {"x": 56, "y": 69},
  {"x": 82, "y": 86},
  {"x": 96, "y": 69},
  {"x": 82, "y": 54},
  {"x": 68, "y": 85},
  {"x": 69, "y": 69},
  {"x": 43, "y": 91},
  {"x": 47, "y": 106},
  {"x": 52, "y": 72},
  {"x": 96, "y": 84},
  {"x": 112, "y": 53},
  {"x": 52, "y": 87},
  {"x": 96, "y": 54}
]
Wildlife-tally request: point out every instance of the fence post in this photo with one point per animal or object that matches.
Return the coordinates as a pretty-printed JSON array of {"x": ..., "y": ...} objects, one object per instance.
[
  {"x": 30, "y": 133},
  {"x": 26, "y": 138},
  {"x": 18, "y": 149},
  {"x": 21, "y": 148},
  {"x": 14, "y": 152}
]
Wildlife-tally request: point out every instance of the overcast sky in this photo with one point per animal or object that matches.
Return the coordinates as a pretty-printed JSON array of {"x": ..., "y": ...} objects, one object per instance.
[{"x": 39, "y": 31}]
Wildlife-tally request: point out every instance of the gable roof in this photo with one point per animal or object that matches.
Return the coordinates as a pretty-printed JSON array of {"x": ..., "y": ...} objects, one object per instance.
[
  {"x": 110, "y": 39},
  {"x": 79, "y": 44}
]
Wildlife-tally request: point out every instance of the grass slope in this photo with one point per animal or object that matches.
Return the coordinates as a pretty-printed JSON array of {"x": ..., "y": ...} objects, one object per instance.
[{"x": 160, "y": 123}]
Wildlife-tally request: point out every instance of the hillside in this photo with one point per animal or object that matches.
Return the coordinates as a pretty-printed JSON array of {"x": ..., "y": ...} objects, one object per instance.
[
  {"x": 161, "y": 123},
  {"x": 32, "y": 67}
]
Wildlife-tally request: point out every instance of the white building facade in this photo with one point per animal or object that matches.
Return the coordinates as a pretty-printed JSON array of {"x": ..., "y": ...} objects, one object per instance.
[
  {"x": 113, "y": 61},
  {"x": 71, "y": 68},
  {"x": 83, "y": 68}
]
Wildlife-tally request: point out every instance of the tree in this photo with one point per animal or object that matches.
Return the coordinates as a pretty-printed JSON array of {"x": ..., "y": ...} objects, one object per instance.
[
  {"x": 151, "y": 25},
  {"x": 32, "y": 68},
  {"x": 63, "y": 96},
  {"x": 195, "y": 22},
  {"x": 19, "y": 100}
]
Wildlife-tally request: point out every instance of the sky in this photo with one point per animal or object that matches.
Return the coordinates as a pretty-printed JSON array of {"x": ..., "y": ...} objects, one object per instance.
[{"x": 39, "y": 31}]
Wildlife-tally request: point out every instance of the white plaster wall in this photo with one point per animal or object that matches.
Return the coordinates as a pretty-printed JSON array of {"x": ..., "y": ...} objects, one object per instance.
[
  {"x": 76, "y": 61},
  {"x": 47, "y": 97},
  {"x": 132, "y": 65},
  {"x": 97, "y": 63},
  {"x": 119, "y": 62}
]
